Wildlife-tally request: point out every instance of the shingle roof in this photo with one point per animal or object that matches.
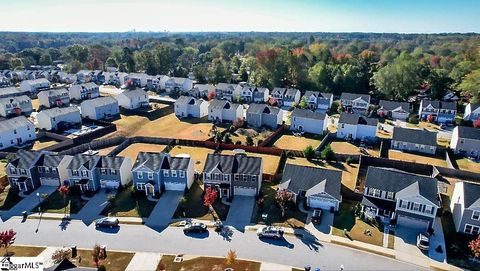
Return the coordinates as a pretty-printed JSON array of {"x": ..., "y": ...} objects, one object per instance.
[
  {"x": 262, "y": 109},
  {"x": 54, "y": 92},
  {"x": 302, "y": 178},
  {"x": 474, "y": 106},
  {"x": 24, "y": 159},
  {"x": 279, "y": 91},
  {"x": 468, "y": 132},
  {"x": 11, "y": 124},
  {"x": 49, "y": 160},
  {"x": 353, "y": 96},
  {"x": 17, "y": 99},
  {"x": 390, "y": 105},
  {"x": 471, "y": 194},
  {"x": 309, "y": 93},
  {"x": 189, "y": 100},
  {"x": 223, "y": 86},
  {"x": 134, "y": 93},
  {"x": 102, "y": 101},
  {"x": 354, "y": 119},
  {"x": 204, "y": 87},
  {"x": 416, "y": 136},
  {"x": 291, "y": 92},
  {"x": 60, "y": 111},
  {"x": 89, "y": 85},
  {"x": 402, "y": 183},
  {"x": 89, "y": 161},
  {"x": 110, "y": 162},
  {"x": 231, "y": 164},
  {"x": 10, "y": 91},
  {"x": 439, "y": 104},
  {"x": 309, "y": 114},
  {"x": 161, "y": 160}
]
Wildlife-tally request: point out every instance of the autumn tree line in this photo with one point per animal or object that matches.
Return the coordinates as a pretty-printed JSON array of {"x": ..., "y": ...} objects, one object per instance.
[{"x": 393, "y": 66}]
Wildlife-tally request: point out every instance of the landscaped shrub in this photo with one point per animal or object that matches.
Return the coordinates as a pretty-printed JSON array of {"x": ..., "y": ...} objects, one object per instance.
[
  {"x": 327, "y": 153},
  {"x": 349, "y": 160},
  {"x": 309, "y": 152}
]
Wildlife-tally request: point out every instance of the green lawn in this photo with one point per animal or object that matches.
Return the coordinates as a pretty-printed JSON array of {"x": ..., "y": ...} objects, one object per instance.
[
  {"x": 130, "y": 204},
  {"x": 293, "y": 217},
  {"x": 205, "y": 263},
  {"x": 55, "y": 203},
  {"x": 8, "y": 198},
  {"x": 192, "y": 206}
]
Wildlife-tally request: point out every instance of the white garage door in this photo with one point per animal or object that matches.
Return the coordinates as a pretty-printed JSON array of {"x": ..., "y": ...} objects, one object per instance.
[
  {"x": 321, "y": 203},
  {"x": 411, "y": 222},
  {"x": 109, "y": 184},
  {"x": 175, "y": 186},
  {"x": 50, "y": 182},
  {"x": 244, "y": 191}
]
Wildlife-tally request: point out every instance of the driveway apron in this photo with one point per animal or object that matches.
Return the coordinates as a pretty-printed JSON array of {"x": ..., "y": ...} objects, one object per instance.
[
  {"x": 240, "y": 212},
  {"x": 163, "y": 211},
  {"x": 29, "y": 203}
]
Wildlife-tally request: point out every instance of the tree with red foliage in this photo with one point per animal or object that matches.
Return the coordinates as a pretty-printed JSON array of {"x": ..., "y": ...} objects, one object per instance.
[
  {"x": 64, "y": 191},
  {"x": 430, "y": 118},
  {"x": 474, "y": 246},
  {"x": 272, "y": 101},
  {"x": 476, "y": 123},
  {"x": 211, "y": 95},
  {"x": 210, "y": 196},
  {"x": 7, "y": 238},
  {"x": 283, "y": 197},
  {"x": 382, "y": 114}
]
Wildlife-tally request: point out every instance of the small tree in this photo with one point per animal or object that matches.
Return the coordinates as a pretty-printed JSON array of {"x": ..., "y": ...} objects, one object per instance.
[
  {"x": 476, "y": 123},
  {"x": 474, "y": 246},
  {"x": 7, "y": 238},
  {"x": 340, "y": 108},
  {"x": 231, "y": 257},
  {"x": 309, "y": 152},
  {"x": 327, "y": 153},
  {"x": 210, "y": 196},
  {"x": 272, "y": 101},
  {"x": 303, "y": 103},
  {"x": 283, "y": 197},
  {"x": 227, "y": 138},
  {"x": 64, "y": 190},
  {"x": 61, "y": 254},
  {"x": 239, "y": 123},
  {"x": 249, "y": 140},
  {"x": 430, "y": 118},
  {"x": 97, "y": 254},
  {"x": 211, "y": 95}
]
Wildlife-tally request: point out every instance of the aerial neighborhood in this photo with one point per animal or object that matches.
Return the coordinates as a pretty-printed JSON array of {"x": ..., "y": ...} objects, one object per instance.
[{"x": 376, "y": 170}]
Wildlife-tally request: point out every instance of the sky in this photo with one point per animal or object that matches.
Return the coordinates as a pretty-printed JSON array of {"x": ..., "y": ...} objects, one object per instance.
[{"x": 400, "y": 16}]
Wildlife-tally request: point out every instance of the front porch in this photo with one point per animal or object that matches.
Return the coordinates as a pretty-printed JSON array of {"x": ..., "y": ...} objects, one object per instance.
[{"x": 23, "y": 184}]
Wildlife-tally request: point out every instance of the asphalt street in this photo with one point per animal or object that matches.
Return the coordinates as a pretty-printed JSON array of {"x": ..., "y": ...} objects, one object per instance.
[{"x": 293, "y": 251}]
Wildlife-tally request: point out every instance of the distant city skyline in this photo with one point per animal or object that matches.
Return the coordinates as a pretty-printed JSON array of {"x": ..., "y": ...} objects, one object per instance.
[{"x": 407, "y": 16}]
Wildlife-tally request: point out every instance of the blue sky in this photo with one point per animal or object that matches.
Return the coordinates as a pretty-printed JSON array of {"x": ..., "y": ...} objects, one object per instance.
[{"x": 404, "y": 16}]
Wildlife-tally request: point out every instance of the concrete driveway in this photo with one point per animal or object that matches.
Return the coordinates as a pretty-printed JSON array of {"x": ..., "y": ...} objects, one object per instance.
[
  {"x": 437, "y": 239},
  {"x": 240, "y": 212},
  {"x": 93, "y": 207},
  {"x": 29, "y": 203},
  {"x": 406, "y": 245},
  {"x": 163, "y": 211},
  {"x": 325, "y": 223}
]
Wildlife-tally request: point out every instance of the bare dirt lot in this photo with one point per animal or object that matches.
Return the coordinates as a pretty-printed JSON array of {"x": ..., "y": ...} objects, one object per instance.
[
  {"x": 199, "y": 155},
  {"x": 132, "y": 150},
  {"x": 270, "y": 162},
  {"x": 416, "y": 158},
  {"x": 290, "y": 142}
]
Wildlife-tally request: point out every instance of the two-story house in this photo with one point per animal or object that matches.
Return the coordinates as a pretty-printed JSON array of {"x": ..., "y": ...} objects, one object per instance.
[
  {"x": 58, "y": 118},
  {"x": 465, "y": 207},
  {"x": 201, "y": 91},
  {"x": 320, "y": 101},
  {"x": 305, "y": 120},
  {"x": 133, "y": 99},
  {"x": 472, "y": 112},
  {"x": 84, "y": 91},
  {"x": 356, "y": 103},
  {"x": 414, "y": 140},
  {"x": 223, "y": 110},
  {"x": 233, "y": 175},
  {"x": 14, "y": 106},
  {"x": 286, "y": 96},
  {"x": 100, "y": 108},
  {"x": 187, "y": 106},
  {"x": 230, "y": 92},
  {"x": 53, "y": 98},
  {"x": 16, "y": 132},
  {"x": 51, "y": 169},
  {"x": 157, "y": 172},
  {"x": 81, "y": 172},
  {"x": 179, "y": 84},
  {"x": 35, "y": 85},
  {"x": 259, "y": 115},
  {"x": 11, "y": 92},
  {"x": 466, "y": 141},
  {"x": 441, "y": 112},
  {"x": 20, "y": 171},
  {"x": 278, "y": 94},
  {"x": 412, "y": 200},
  {"x": 353, "y": 127},
  {"x": 394, "y": 110},
  {"x": 113, "y": 172}
]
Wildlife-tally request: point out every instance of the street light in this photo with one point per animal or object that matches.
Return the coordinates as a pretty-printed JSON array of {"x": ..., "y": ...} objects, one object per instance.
[{"x": 39, "y": 203}]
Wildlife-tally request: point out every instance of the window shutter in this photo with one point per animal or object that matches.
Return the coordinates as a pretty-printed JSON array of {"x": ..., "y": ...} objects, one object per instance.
[
  {"x": 400, "y": 204},
  {"x": 423, "y": 208},
  {"x": 408, "y": 205}
]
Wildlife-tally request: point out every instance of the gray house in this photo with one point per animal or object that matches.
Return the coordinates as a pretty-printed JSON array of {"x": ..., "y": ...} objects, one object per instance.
[
  {"x": 51, "y": 169},
  {"x": 230, "y": 92},
  {"x": 20, "y": 170},
  {"x": 81, "y": 172},
  {"x": 356, "y": 103},
  {"x": 259, "y": 115},
  {"x": 113, "y": 172},
  {"x": 414, "y": 140},
  {"x": 394, "y": 110},
  {"x": 233, "y": 175},
  {"x": 84, "y": 91},
  {"x": 14, "y": 106},
  {"x": 317, "y": 187},
  {"x": 54, "y": 98},
  {"x": 465, "y": 207},
  {"x": 223, "y": 110},
  {"x": 201, "y": 90},
  {"x": 305, "y": 120},
  {"x": 100, "y": 108},
  {"x": 318, "y": 100},
  {"x": 157, "y": 172},
  {"x": 441, "y": 111},
  {"x": 466, "y": 141}
]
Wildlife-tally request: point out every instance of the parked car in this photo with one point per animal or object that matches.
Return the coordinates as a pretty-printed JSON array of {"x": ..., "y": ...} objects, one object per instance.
[
  {"x": 195, "y": 227},
  {"x": 107, "y": 222},
  {"x": 270, "y": 232},
  {"x": 316, "y": 216},
  {"x": 423, "y": 241}
]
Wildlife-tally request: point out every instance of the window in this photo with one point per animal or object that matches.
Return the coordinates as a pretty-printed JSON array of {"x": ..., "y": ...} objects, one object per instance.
[
  {"x": 174, "y": 173},
  {"x": 75, "y": 172},
  {"x": 404, "y": 204},
  {"x": 150, "y": 175},
  {"x": 416, "y": 207},
  {"x": 84, "y": 173},
  {"x": 236, "y": 177},
  {"x": 254, "y": 178},
  {"x": 166, "y": 173},
  {"x": 428, "y": 209},
  {"x": 139, "y": 175},
  {"x": 140, "y": 186},
  {"x": 476, "y": 215},
  {"x": 245, "y": 178},
  {"x": 40, "y": 169},
  {"x": 103, "y": 171},
  {"x": 470, "y": 229},
  {"x": 390, "y": 195},
  {"x": 181, "y": 173},
  {"x": 225, "y": 177},
  {"x": 374, "y": 192},
  {"x": 47, "y": 169},
  {"x": 113, "y": 172},
  {"x": 54, "y": 170}
]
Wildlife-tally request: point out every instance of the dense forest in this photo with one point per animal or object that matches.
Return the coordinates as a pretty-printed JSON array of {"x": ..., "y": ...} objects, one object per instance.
[{"x": 394, "y": 66}]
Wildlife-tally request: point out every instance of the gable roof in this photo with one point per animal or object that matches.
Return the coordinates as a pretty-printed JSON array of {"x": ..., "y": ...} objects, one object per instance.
[
  {"x": 390, "y": 105},
  {"x": 24, "y": 159},
  {"x": 313, "y": 180},
  {"x": 203, "y": 87},
  {"x": 54, "y": 92},
  {"x": 278, "y": 91},
  {"x": 223, "y": 86},
  {"x": 402, "y": 183},
  {"x": 10, "y": 91},
  {"x": 89, "y": 85},
  {"x": 134, "y": 93},
  {"x": 49, "y": 160},
  {"x": 101, "y": 101},
  {"x": 439, "y": 104},
  {"x": 309, "y": 114},
  {"x": 353, "y": 96},
  {"x": 11, "y": 124},
  {"x": 309, "y": 93},
  {"x": 60, "y": 111},
  {"x": 416, "y": 136},
  {"x": 88, "y": 161},
  {"x": 354, "y": 119},
  {"x": 468, "y": 132},
  {"x": 262, "y": 109},
  {"x": 471, "y": 195},
  {"x": 291, "y": 91},
  {"x": 473, "y": 106},
  {"x": 161, "y": 160},
  {"x": 231, "y": 164},
  {"x": 114, "y": 162}
]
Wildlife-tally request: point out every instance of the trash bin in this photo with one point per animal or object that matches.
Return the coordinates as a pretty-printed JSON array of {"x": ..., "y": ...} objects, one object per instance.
[
  {"x": 104, "y": 250},
  {"x": 74, "y": 251},
  {"x": 24, "y": 214}
]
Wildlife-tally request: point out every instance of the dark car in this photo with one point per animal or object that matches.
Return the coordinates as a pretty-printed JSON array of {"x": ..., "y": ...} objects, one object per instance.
[
  {"x": 195, "y": 227},
  {"x": 107, "y": 222},
  {"x": 316, "y": 216}
]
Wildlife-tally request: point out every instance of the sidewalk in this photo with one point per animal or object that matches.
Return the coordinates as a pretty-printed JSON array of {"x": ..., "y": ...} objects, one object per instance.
[{"x": 144, "y": 261}]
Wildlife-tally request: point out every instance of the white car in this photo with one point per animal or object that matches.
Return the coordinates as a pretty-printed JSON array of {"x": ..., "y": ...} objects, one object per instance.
[
  {"x": 270, "y": 232},
  {"x": 423, "y": 241}
]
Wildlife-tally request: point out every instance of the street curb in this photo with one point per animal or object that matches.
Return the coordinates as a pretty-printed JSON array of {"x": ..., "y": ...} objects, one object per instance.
[{"x": 389, "y": 255}]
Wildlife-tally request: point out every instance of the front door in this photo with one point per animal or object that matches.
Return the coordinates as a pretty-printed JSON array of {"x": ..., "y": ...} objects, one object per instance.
[
  {"x": 224, "y": 192},
  {"x": 22, "y": 186}
]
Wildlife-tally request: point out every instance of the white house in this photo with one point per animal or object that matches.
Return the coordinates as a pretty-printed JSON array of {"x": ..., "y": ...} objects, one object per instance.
[
  {"x": 186, "y": 106},
  {"x": 11, "y": 92},
  {"x": 251, "y": 94},
  {"x": 84, "y": 91},
  {"x": 353, "y": 102},
  {"x": 115, "y": 78},
  {"x": 352, "y": 127},
  {"x": 16, "y": 131},
  {"x": 465, "y": 207},
  {"x": 395, "y": 110},
  {"x": 133, "y": 99},
  {"x": 50, "y": 119},
  {"x": 54, "y": 97},
  {"x": 100, "y": 108},
  {"x": 138, "y": 79},
  {"x": 415, "y": 140},
  {"x": 305, "y": 120},
  {"x": 178, "y": 83},
  {"x": 34, "y": 85},
  {"x": 15, "y": 106},
  {"x": 223, "y": 110},
  {"x": 292, "y": 97},
  {"x": 472, "y": 112},
  {"x": 466, "y": 141}
]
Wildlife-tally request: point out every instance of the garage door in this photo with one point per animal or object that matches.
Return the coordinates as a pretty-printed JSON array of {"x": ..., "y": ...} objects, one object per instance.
[
  {"x": 175, "y": 186},
  {"x": 50, "y": 182},
  {"x": 244, "y": 191},
  {"x": 413, "y": 223},
  {"x": 321, "y": 203},
  {"x": 109, "y": 184}
]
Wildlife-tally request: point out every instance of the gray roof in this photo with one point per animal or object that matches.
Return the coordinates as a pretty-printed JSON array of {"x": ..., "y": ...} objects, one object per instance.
[
  {"x": 278, "y": 91},
  {"x": 89, "y": 161},
  {"x": 60, "y": 111},
  {"x": 18, "y": 99},
  {"x": 189, "y": 100},
  {"x": 471, "y": 194},
  {"x": 134, "y": 93},
  {"x": 302, "y": 178},
  {"x": 309, "y": 93},
  {"x": 262, "y": 109},
  {"x": 102, "y": 101},
  {"x": 326, "y": 95},
  {"x": 161, "y": 160},
  {"x": 468, "y": 132},
  {"x": 179, "y": 80},
  {"x": 439, "y": 104},
  {"x": 390, "y": 105},
  {"x": 36, "y": 81},
  {"x": 10, "y": 124},
  {"x": 354, "y": 119},
  {"x": 203, "y": 87},
  {"x": 24, "y": 159},
  {"x": 234, "y": 164},
  {"x": 10, "y": 91},
  {"x": 223, "y": 86},
  {"x": 89, "y": 85},
  {"x": 474, "y": 106},
  {"x": 353, "y": 96},
  {"x": 416, "y": 136},
  {"x": 291, "y": 91},
  {"x": 222, "y": 104},
  {"x": 54, "y": 92},
  {"x": 309, "y": 114},
  {"x": 110, "y": 162},
  {"x": 49, "y": 160},
  {"x": 402, "y": 183}
]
